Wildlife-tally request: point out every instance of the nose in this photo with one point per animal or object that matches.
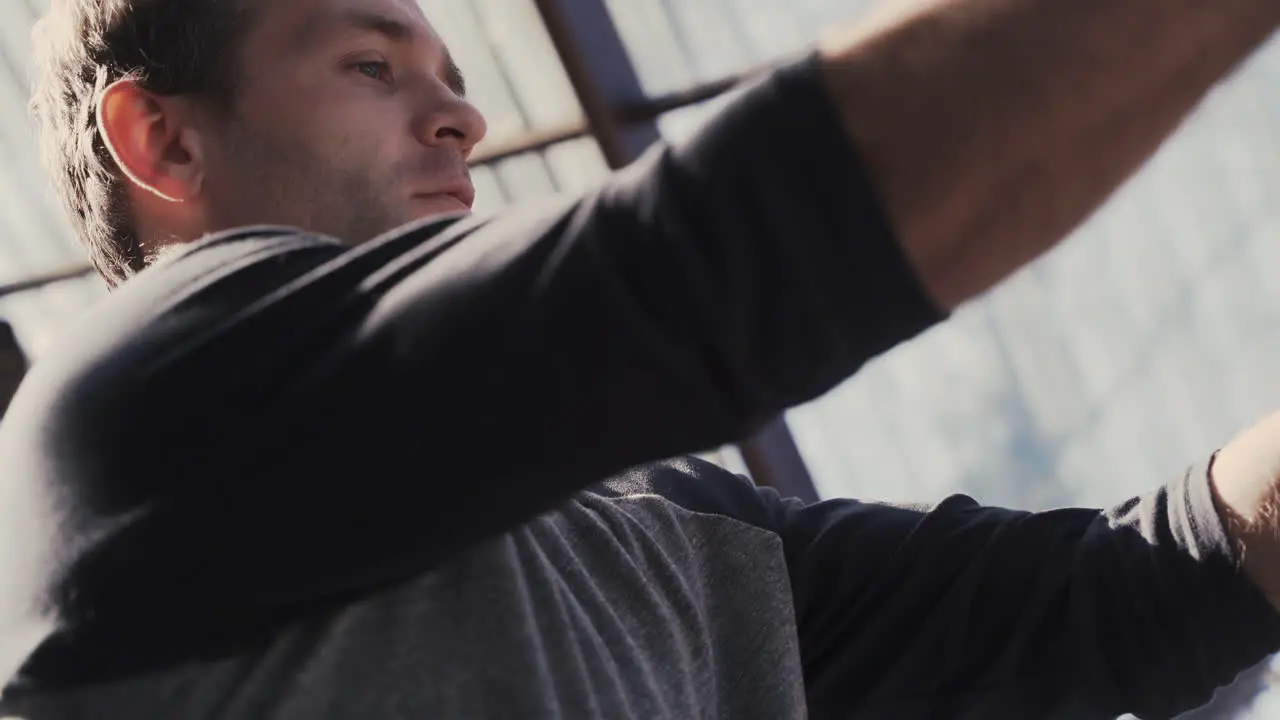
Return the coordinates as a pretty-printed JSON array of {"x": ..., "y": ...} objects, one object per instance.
[{"x": 451, "y": 119}]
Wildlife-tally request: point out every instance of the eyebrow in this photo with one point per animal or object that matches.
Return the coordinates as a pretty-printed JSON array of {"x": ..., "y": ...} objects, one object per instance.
[{"x": 389, "y": 28}]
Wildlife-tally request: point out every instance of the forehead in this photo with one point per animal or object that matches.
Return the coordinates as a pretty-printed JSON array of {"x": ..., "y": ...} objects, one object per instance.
[{"x": 286, "y": 25}]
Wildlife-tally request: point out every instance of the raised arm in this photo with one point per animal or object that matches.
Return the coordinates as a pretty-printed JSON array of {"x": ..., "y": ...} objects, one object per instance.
[
  {"x": 318, "y": 420},
  {"x": 991, "y": 128}
]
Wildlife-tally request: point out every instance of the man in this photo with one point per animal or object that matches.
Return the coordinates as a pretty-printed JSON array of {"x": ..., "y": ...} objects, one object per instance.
[{"x": 275, "y": 476}]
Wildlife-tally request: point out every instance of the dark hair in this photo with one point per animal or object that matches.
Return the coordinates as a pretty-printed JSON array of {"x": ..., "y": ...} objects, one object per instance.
[{"x": 170, "y": 47}]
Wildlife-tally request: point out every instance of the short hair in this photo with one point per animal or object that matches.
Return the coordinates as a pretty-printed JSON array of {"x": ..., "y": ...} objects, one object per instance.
[{"x": 81, "y": 47}]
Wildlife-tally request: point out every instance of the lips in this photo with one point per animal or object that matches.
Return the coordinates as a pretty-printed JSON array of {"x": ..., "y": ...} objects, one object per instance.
[{"x": 464, "y": 192}]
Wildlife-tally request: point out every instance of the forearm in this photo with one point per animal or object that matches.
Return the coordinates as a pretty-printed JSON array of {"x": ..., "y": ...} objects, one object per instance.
[{"x": 991, "y": 128}]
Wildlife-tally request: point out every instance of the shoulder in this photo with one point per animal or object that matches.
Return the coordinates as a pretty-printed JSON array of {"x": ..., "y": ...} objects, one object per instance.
[
  {"x": 199, "y": 339},
  {"x": 104, "y": 394},
  {"x": 697, "y": 486}
]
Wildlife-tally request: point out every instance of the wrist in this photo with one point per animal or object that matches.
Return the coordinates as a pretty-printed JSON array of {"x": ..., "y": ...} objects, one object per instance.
[{"x": 1246, "y": 496}]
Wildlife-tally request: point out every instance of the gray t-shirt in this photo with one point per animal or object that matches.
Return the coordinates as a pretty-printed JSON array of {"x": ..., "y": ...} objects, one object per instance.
[{"x": 296, "y": 480}]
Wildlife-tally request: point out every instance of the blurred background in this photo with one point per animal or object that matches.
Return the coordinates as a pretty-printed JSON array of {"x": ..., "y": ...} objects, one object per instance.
[{"x": 1135, "y": 349}]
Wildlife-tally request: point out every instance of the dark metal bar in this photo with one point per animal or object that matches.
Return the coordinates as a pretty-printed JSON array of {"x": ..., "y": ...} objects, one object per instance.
[
  {"x": 528, "y": 142},
  {"x": 40, "y": 281},
  {"x": 655, "y": 107},
  {"x": 772, "y": 455},
  {"x": 600, "y": 69},
  {"x": 647, "y": 111},
  {"x": 624, "y": 122}
]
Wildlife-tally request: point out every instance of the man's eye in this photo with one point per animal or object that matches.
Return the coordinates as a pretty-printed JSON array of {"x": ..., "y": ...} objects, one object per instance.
[{"x": 374, "y": 70}]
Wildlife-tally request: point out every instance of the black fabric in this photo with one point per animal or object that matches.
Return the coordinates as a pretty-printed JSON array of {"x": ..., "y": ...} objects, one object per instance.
[{"x": 13, "y": 366}]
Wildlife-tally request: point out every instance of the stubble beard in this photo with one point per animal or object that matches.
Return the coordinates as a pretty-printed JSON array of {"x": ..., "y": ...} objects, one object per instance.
[{"x": 285, "y": 184}]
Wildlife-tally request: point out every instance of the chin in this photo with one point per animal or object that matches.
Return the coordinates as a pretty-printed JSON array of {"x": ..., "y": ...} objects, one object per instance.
[{"x": 426, "y": 206}]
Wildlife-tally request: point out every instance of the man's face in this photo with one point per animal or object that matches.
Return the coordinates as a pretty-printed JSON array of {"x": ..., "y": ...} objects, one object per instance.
[{"x": 349, "y": 120}]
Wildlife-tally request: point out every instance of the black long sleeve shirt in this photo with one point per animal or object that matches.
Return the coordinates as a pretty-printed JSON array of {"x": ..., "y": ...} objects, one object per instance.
[{"x": 285, "y": 478}]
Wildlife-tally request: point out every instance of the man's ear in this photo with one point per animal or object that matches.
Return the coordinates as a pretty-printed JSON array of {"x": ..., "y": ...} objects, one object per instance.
[{"x": 153, "y": 140}]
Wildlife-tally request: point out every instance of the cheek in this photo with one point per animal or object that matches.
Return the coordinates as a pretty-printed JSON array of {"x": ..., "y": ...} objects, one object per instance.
[
  {"x": 353, "y": 136},
  {"x": 313, "y": 159}
]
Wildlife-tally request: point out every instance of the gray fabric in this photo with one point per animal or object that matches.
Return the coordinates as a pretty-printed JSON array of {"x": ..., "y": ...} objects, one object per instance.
[{"x": 628, "y": 607}]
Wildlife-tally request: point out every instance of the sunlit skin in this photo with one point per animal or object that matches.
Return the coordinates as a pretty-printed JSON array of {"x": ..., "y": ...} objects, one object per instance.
[{"x": 350, "y": 119}]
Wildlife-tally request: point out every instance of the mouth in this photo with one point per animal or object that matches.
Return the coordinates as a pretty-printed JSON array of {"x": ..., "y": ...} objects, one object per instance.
[{"x": 463, "y": 193}]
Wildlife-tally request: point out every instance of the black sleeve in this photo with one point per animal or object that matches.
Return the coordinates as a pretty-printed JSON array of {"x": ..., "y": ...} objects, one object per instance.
[
  {"x": 396, "y": 403},
  {"x": 976, "y": 612}
]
